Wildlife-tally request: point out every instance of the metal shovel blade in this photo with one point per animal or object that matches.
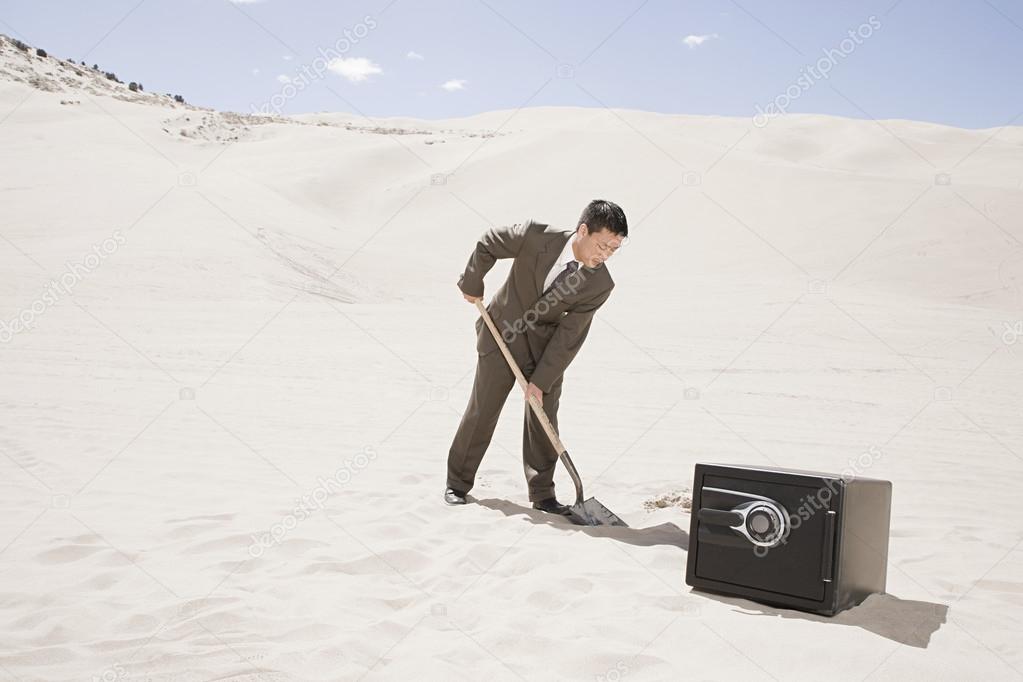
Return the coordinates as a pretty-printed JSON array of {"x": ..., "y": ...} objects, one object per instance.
[{"x": 593, "y": 513}]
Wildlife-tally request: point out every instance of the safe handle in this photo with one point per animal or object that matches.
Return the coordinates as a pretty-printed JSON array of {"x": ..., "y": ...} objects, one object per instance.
[{"x": 719, "y": 517}]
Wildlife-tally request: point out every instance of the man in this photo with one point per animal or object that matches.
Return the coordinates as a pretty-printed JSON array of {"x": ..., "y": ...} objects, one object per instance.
[{"x": 557, "y": 282}]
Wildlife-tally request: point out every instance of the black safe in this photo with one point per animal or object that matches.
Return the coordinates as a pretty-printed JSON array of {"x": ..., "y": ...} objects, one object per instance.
[{"x": 800, "y": 539}]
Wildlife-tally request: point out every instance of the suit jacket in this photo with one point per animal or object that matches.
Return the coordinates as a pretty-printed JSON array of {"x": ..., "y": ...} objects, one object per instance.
[{"x": 543, "y": 331}]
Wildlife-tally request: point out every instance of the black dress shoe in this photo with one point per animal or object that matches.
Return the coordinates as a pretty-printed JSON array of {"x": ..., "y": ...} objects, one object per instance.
[
  {"x": 552, "y": 506},
  {"x": 452, "y": 496}
]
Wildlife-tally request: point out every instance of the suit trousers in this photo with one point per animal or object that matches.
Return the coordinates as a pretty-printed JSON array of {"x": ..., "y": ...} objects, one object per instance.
[{"x": 490, "y": 388}]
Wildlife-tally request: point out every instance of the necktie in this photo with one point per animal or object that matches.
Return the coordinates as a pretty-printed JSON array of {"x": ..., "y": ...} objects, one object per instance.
[{"x": 563, "y": 275}]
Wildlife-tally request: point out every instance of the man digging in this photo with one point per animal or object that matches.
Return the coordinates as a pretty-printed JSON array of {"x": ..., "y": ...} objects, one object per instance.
[{"x": 558, "y": 280}]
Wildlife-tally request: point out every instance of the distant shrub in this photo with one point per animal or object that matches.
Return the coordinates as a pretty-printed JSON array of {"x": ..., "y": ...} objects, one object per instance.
[
  {"x": 112, "y": 77},
  {"x": 95, "y": 67},
  {"x": 20, "y": 45},
  {"x": 40, "y": 52},
  {"x": 133, "y": 86},
  {"x": 179, "y": 99}
]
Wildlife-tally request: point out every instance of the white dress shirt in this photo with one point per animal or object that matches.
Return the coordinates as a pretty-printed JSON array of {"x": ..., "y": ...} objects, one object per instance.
[{"x": 566, "y": 257}]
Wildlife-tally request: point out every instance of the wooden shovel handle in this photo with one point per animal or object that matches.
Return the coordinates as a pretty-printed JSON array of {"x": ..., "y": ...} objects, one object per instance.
[{"x": 523, "y": 384}]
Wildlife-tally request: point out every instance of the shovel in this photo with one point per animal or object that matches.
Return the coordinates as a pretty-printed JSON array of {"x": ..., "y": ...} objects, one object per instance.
[{"x": 584, "y": 512}]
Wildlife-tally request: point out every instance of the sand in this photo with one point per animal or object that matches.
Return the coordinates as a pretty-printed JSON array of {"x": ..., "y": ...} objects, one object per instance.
[{"x": 222, "y": 447}]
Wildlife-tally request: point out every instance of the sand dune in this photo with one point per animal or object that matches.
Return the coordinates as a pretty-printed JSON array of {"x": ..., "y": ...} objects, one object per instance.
[{"x": 272, "y": 318}]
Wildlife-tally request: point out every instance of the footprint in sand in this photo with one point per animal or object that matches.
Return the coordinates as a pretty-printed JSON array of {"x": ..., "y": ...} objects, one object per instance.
[{"x": 66, "y": 554}]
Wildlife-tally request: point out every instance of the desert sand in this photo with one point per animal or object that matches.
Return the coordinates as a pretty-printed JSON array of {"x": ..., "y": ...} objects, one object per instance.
[{"x": 223, "y": 434}]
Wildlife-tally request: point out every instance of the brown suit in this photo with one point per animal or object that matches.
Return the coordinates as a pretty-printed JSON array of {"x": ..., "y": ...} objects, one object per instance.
[{"x": 543, "y": 332}]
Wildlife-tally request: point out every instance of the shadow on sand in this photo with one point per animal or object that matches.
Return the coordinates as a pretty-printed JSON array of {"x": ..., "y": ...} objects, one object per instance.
[
  {"x": 664, "y": 534},
  {"x": 904, "y": 621}
]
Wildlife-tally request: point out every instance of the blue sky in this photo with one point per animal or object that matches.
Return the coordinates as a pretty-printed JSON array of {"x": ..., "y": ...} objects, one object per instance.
[{"x": 948, "y": 61}]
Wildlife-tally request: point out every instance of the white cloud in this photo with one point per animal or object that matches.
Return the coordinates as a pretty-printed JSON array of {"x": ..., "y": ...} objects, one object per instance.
[
  {"x": 412, "y": 54},
  {"x": 255, "y": 72},
  {"x": 355, "y": 69},
  {"x": 454, "y": 84},
  {"x": 283, "y": 79},
  {"x": 694, "y": 41}
]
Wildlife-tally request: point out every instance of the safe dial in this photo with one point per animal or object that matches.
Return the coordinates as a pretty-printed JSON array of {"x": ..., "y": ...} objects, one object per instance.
[{"x": 763, "y": 523}]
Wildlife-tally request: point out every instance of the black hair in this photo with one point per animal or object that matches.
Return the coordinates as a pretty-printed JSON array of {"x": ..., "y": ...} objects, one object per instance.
[{"x": 604, "y": 215}]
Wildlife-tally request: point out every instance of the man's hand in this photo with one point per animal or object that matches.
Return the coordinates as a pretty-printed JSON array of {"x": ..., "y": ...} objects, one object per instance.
[
  {"x": 471, "y": 299},
  {"x": 533, "y": 389}
]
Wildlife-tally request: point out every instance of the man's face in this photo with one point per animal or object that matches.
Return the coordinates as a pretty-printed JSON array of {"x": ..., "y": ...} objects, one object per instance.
[{"x": 593, "y": 248}]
